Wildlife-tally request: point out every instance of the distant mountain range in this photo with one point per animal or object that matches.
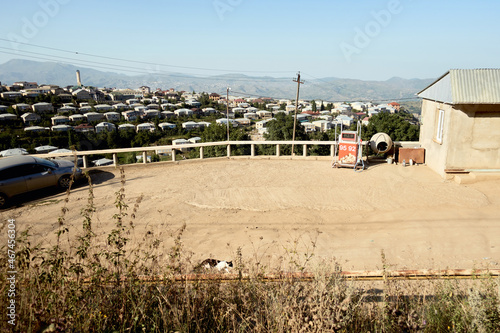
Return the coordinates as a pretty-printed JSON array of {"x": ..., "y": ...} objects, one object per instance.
[{"x": 328, "y": 89}]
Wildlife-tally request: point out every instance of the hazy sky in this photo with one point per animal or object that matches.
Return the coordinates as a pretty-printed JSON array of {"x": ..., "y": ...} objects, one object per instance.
[{"x": 358, "y": 39}]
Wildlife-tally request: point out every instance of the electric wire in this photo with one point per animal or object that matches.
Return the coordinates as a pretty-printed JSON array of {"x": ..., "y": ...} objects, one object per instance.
[
  {"x": 361, "y": 100},
  {"x": 326, "y": 101},
  {"x": 142, "y": 62},
  {"x": 144, "y": 72},
  {"x": 156, "y": 72}
]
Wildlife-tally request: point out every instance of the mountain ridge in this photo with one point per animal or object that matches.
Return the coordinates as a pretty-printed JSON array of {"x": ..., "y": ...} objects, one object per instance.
[{"x": 328, "y": 88}]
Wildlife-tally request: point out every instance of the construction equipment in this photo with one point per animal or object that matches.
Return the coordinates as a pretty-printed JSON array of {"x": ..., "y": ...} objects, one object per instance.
[{"x": 381, "y": 143}]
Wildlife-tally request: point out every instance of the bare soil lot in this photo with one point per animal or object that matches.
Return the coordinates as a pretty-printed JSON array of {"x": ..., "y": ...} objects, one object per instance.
[{"x": 271, "y": 208}]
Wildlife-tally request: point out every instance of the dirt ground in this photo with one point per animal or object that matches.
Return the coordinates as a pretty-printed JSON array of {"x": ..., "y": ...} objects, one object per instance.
[{"x": 283, "y": 209}]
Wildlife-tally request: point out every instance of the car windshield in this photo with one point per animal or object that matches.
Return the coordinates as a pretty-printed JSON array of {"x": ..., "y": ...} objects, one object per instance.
[{"x": 46, "y": 162}]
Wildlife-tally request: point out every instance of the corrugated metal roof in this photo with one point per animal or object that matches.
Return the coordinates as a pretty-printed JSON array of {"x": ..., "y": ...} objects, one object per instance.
[
  {"x": 465, "y": 86},
  {"x": 476, "y": 86},
  {"x": 439, "y": 90}
]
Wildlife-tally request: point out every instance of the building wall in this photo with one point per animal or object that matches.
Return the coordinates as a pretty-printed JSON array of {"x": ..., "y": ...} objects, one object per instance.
[
  {"x": 475, "y": 138},
  {"x": 435, "y": 153},
  {"x": 471, "y": 136}
]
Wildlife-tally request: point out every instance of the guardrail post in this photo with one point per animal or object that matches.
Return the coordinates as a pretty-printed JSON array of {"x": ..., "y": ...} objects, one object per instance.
[
  {"x": 332, "y": 151},
  {"x": 144, "y": 157},
  {"x": 201, "y": 153},
  {"x": 85, "y": 161},
  {"x": 228, "y": 150},
  {"x": 115, "y": 159},
  {"x": 277, "y": 150},
  {"x": 304, "y": 150},
  {"x": 173, "y": 155},
  {"x": 252, "y": 150}
]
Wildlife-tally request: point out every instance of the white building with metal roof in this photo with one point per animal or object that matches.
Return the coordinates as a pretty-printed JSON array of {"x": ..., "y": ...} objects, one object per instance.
[
  {"x": 146, "y": 127},
  {"x": 461, "y": 122},
  {"x": 126, "y": 127},
  {"x": 105, "y": 127},
  {"x": 42, "y": 107}
]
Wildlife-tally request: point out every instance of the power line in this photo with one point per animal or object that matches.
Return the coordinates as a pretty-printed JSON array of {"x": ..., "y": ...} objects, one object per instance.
[
  {"x": 131, "y": 69},
  {"x": 137, "y": 70},
  {"x": 329, "y": 101},
  {"x": 121, "y": 67},
  {"x": 364, "y": 100},
  {"x": 143, "y": 62},
  {"x": 258, "y": 96}
]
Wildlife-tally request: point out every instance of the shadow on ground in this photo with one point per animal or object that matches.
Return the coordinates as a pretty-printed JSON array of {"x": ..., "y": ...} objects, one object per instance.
[{"x": 98, "y": 176}]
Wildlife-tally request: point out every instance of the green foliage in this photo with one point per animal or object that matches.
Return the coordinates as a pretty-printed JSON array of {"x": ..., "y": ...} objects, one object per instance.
[
  {"x": 319, "y": 150},
  {"x": 155, "y": 158},
  {"x": 281, "y": 129},
  {"x": 216, "y": 132},
  {"x": 396, "y": 125},
  {"x": 205, "y": 101}
]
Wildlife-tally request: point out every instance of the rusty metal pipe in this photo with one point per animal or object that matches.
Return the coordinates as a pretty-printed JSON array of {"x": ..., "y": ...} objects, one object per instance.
[{"x": 350, "y": 275}]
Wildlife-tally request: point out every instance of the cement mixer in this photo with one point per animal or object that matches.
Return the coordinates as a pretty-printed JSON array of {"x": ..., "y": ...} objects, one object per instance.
[{"x": 381, "y": 143}]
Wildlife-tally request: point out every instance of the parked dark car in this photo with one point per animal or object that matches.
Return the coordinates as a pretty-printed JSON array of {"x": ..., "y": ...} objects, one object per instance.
[{"x": 21, "y": 174}]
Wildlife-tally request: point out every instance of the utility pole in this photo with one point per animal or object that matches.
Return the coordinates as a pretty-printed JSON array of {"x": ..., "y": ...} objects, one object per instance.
[
  {"x": 227, "y": 112},
  {"x": 296, "y": 107}
]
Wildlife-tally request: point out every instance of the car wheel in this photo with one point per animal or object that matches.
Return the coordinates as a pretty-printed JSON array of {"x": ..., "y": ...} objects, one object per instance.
[
  {"x": 3, "y": 200},
  {"x": 65, "y": 182}
]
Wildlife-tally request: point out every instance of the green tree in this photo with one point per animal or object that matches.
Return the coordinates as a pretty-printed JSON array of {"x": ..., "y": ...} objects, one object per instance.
[
  {"x": 395, "y": 125},
  {"x": 319, "y": 150},
  {"x": 112, "y": 139},
  {"x": 216, "y": 132},
  {"x": 55, "y": 100},
  {"x": 281, "y": 129},
  {"x": 205, "y": 100}
]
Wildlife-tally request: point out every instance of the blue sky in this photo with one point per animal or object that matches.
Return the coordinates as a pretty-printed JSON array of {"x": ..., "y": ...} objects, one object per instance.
[{"x": 370, "y": 40}]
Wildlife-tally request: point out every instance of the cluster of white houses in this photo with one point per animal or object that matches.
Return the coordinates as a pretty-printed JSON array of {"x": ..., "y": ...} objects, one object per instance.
[{"x": 125, "y": 105}]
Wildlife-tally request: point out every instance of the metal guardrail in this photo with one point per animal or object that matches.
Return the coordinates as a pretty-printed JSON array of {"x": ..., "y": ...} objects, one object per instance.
[{"x": 174, "y": 148}]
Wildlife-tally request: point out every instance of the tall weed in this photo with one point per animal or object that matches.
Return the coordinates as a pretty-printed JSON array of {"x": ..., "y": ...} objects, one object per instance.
[{"x": 107, "y": 285}]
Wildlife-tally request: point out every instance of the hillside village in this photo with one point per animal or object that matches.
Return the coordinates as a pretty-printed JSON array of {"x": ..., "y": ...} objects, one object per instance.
[{"x": 41, "y": 109}]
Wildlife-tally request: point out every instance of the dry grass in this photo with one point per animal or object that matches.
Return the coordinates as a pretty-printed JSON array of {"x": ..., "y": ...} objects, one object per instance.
[{"x": 81, "y": 288}]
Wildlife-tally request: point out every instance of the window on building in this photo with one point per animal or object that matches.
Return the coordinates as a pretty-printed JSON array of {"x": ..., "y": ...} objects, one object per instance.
[{"x": 439, "y": 128}]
